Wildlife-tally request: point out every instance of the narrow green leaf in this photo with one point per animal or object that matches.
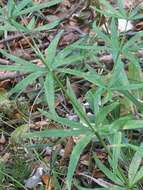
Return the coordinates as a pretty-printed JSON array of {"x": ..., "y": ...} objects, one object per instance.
[
  {"x": 92, "y": 77},
  {"x": 104, "y": 111},
  {"x": 106, "y": 188},
  {"x": 7, "y": 27},
  {"x": 108, "y": 13},
  {"x": 79, "y": 147},
  {"x": 134, "y": 86},
  {"x": 25, "y": 82},
  {"x": 119, "y": 76},
  {"x": 135, "y": 163},
  {"x": 107, "y": 172},
  {"x": 10, "y": 7},
  {"x": 73, "y": 59},
  {"x": 133, "y": 99},
  {"x": 101, "y": 34},
  {"x": 133, "y": 124},
  {"x": 116, "y": 150},
  {"x": 19, "y": 27},
  {"x": 56, "y": 133},
  {"x": 139, "y": 176},
  {"x": 108, "y": 6},
  {"x": 38, "y": 7},
  {"x": 114, "y": 40},
  {"x": 21, "y": 5},
  {"x": 21, "y": 68},
  {"x": 132, "y": 41},
  {"x": 57, "y": 185},
  {"x": 47, "y": 26},
  {"x": 122, "y": 9},
  {"x": 110, "y": 10},
  {"x": 76, "y": 105},
  {"x": 94, "y": 98},
  {"x": 134, "y": 72},
  {"x": 49, "y": 92},
  {"x": 18, "y": 60},
  {"x": 124, "y": 123},
  {"x": 62, "y": 121},
  {"x": 51, "y": 50},
  {"x": 31, "y": 24}
]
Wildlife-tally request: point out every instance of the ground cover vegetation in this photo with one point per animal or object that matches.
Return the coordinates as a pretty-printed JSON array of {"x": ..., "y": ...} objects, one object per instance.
[{"x": 71, "y": 95}]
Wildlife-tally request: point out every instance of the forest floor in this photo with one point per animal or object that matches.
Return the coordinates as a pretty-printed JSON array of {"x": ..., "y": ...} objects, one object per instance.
[{"x": 71, "y": 95}]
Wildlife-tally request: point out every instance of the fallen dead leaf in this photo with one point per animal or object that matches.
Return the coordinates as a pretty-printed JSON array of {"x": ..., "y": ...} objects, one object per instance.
[
  {"x": 139, "y": 26},
  {"x": 5, "y": 157},
  {"x": 68, "y": 150},
  {"x": 48, "y": 181},
  {"x": 68, "y": 38},
  {"x": 2, "y": 139},
  {"x": 129, "y": 4}
]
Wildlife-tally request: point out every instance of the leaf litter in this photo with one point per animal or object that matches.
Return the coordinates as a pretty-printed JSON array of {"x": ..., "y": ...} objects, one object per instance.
[{"x": 75, "y": 18}]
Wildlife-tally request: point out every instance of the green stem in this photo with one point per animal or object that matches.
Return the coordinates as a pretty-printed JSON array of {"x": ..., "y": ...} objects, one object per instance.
[
  {"x": 87, "y": 122},
  {"x": 91, "y": 127},
  {"x": 85, "y": 119}
]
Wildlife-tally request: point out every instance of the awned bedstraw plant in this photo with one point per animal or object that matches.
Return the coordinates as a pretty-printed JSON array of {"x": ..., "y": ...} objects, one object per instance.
[{"x": 112, "y": 91}]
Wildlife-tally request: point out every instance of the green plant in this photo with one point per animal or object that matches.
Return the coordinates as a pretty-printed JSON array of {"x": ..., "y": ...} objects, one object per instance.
[
  {"x": 108, "y": 95},
  {"x": 132, "y": 173},
  {"x": 12, "y": 13},
  {"x": 20, "y": 170},
  {"x": 15, "y": 176}
]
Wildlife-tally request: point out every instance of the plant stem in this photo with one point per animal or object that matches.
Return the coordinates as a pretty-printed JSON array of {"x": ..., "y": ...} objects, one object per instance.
[
  {"x": 87, "y": 122},
  {"x": 92, "y": 128}
]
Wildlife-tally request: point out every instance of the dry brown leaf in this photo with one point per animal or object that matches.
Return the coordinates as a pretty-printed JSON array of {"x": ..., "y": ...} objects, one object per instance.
[
  {"x": 67, "y": 3},
  {"x": 139, "y": 26},
  {"x": 2, "y": 139},
  {"x": 5, "y": 157},
  {"x": 85, "y": 159},
  {"x": 68, "y": 149},
  {"x": 129, "y": 4},
  {"x": 48, "y": 181},
  {"x": 101, "y": 155},
  {"x": 68, "y": 38}
]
